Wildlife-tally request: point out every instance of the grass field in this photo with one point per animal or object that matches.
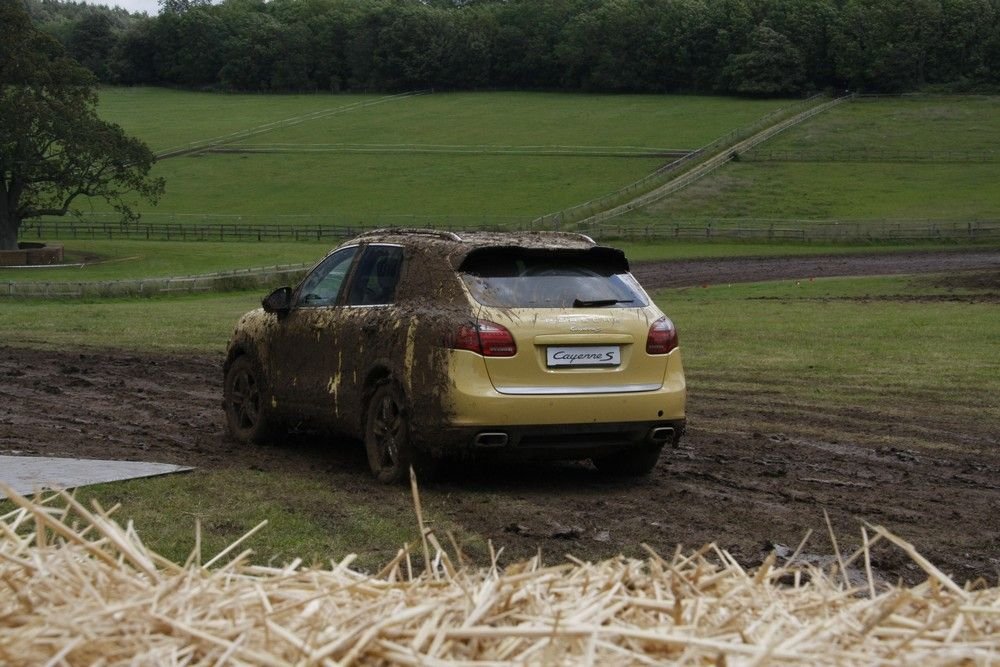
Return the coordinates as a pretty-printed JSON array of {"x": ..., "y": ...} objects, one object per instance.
[
  {"x": 911, "y": 125},
  {"x": 166, "y": 118},
  {"x": 841, "y": 341},
  {"x": 870, "y": 160},
  {"x": 818, "y": 191},
  {"x": 533, "y": 120},
  {"x": 461, "y": 159},
  {"x": 339, "y": 189},
  {"x": 312, "y": 175}
]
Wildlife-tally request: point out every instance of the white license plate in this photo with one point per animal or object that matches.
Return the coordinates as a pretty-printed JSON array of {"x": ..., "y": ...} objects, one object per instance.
[{"x": 598, "y": 355}]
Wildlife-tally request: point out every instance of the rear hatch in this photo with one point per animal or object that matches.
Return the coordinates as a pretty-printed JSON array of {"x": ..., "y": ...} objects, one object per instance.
[{"x": 578, "y": 319}]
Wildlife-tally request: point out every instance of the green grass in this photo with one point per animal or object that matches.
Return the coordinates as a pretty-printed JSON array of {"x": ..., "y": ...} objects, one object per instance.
[
  {"x": 912, "y": 125},
  {"x": 534, "y": 120},
  {"x": 351, "y": 188},
  {"x": 307, "y": 516},
  {"x": 841, "y": 341},
  {"x": 802, "y": 191},
  {"x": 404, "y": 187},
  {"x": 166, "y": 118},
  {"x": 845, "y": 176},
  {"x": 179, "y": 324}
]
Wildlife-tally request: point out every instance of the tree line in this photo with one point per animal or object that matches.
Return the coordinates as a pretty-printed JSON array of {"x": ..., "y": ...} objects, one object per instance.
[{"x": 747, "y": 47}]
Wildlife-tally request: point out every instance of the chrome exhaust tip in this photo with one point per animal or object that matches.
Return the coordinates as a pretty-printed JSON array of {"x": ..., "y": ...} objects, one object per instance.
[
  {"x": 491, "y": 439},
  {"x": 661, "y": 434}
]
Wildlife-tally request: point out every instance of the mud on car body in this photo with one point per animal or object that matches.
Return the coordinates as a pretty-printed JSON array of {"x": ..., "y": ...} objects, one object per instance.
[{"x": 428, "y": 344}]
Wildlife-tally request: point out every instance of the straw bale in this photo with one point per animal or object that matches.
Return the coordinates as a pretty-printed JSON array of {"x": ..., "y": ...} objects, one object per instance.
[{"x": 78, "y": 588}]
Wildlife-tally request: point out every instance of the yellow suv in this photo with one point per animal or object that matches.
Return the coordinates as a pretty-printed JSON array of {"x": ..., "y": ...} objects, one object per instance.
[{"x": 428, "y": 344}]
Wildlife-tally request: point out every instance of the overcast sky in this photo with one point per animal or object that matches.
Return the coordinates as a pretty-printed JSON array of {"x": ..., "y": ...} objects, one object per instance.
[{"x": 151, "y": 7}]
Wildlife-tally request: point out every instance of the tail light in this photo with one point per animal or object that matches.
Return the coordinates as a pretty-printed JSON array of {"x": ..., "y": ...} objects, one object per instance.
[
  {"x": 486, "y": 338},
  {"x": 662, "y": 337}
]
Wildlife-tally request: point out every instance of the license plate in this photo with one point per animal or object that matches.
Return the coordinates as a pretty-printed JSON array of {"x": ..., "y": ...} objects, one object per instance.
[{"x": 601, "y": 355}]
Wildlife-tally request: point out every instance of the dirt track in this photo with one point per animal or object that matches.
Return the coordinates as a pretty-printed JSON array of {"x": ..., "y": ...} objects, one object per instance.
[
  {"x": 656, "y": 275},
  {"x": 754, "y": 469}
]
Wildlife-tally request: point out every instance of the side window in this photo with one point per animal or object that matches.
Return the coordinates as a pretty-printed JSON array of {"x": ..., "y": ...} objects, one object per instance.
[
  {"x": 377, "y": 276},
  {"x": 323, "y": 285}
]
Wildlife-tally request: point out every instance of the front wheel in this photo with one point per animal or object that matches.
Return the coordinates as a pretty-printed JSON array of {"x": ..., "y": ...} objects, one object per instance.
[
  {"x": 249, "y": 418},
  {"x": 630, "y": 463}
]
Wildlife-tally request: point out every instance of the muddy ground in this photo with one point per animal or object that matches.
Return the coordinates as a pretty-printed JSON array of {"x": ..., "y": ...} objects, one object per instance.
[{"x": 753, "y": 470}]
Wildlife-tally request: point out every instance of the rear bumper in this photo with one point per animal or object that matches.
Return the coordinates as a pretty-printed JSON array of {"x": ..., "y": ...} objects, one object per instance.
[
  {"x": 472, "y": 400},
  {"x": 556, "y": 441}
]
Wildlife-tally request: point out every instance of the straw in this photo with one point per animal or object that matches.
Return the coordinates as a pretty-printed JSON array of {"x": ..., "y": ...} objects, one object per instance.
[{"x": 78, "y": 588}]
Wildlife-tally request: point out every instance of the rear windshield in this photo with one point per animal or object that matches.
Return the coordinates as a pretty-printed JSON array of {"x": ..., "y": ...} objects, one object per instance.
[{"x": 519, "y": 278}]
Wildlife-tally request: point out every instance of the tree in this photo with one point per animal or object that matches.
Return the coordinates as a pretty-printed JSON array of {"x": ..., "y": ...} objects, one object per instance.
[
  {"x": 90, "y": 43},
  {"x": 770, "y": 66},
  {"x": 54, "y": 148}
]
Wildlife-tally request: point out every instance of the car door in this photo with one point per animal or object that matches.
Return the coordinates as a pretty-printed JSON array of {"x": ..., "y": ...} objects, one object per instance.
[
  {"x": 337, "y": 330},
  {"x": 307, "y": 356}
]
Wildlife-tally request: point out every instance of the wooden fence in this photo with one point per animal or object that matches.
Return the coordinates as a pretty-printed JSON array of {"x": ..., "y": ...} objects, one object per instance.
[
  {"x": 806, "y": 232},
  {"x": 733, "y": 229}
]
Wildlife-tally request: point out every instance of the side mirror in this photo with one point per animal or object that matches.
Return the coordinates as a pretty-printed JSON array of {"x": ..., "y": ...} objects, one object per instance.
[{"x": 279, "y": 301}]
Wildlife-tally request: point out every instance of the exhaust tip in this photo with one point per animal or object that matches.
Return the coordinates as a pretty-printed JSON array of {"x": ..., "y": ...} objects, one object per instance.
[
  {"x": 491, "y": 439},
  {"x": 661, "y": 434}
]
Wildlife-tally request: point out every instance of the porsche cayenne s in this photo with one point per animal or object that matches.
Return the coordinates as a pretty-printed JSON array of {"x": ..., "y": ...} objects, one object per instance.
[{"x": 428, "y": 345}]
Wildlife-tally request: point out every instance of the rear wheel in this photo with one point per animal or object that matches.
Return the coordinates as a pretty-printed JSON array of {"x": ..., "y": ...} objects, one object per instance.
[
  {"x": 630, "y": 463},
  {"x": 387, "y": 435},
  {"x": 249, "y": 418},
  {"x": 389, "y": 441}
]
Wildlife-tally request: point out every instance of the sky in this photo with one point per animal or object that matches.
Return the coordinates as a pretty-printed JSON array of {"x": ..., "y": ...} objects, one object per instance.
[{"x": 151, "y": 7}]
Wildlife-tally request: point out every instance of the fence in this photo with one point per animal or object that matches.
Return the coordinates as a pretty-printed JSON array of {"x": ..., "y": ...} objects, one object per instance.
[
  {"x": 716, "y": 228},
  {"x": 701, "y": 230},
  {"x": 844, "y": 231},
  {"x": 65, "y": 230},
  {"x": 871, "y": 155},
  {"x": 211, "y": 282}
]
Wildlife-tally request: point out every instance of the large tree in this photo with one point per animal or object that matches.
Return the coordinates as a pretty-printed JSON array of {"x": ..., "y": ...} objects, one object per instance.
[{"x": 54, "y": 149}]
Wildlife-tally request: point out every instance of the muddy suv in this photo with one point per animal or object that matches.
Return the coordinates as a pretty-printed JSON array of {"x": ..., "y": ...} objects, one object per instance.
[{"x": 429, "y": 344}]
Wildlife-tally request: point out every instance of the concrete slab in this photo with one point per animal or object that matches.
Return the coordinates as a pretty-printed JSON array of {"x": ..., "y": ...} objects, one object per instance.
[{"x": 25, "y": 474}]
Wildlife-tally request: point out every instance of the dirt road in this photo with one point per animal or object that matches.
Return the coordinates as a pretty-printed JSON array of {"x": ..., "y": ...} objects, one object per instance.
[
  {"x": 684, "y": 273},
  {"x": 753, "y": 470}
]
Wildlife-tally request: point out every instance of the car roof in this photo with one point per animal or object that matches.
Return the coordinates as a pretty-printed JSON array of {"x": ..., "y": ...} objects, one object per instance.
[{"x": 455, "y": 246}]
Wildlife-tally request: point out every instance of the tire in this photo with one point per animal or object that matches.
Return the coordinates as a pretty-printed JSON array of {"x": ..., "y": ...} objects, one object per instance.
[
  {"x": 388, "y": 441},
  {"x": 249, "y": 416},
  {"x": 635, "y": 462}
]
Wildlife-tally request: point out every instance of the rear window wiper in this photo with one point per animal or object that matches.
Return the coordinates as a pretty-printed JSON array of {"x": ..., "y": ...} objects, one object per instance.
[{"x": 598, "y": 303}]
